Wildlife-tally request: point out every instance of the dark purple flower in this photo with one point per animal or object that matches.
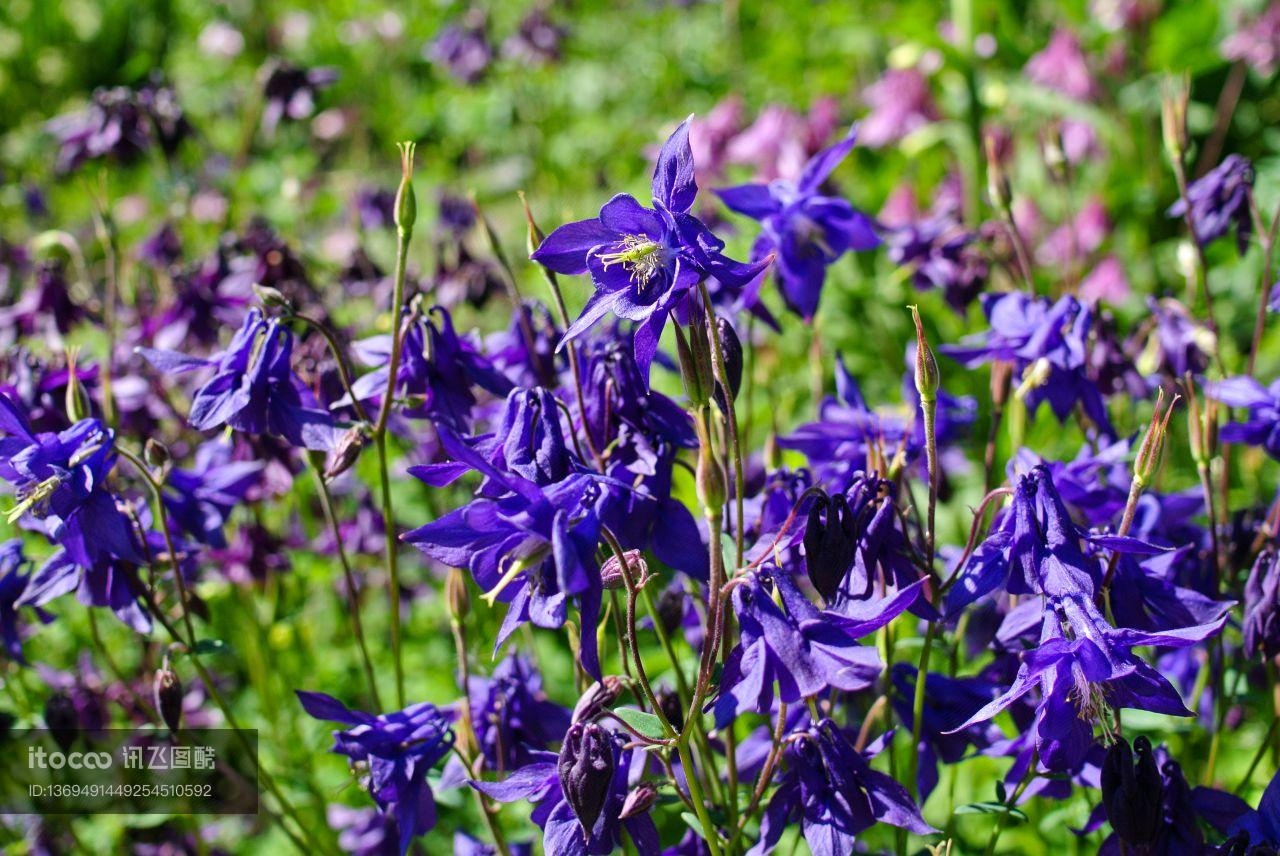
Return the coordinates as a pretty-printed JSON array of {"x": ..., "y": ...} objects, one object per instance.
[
  {"x": 119, "y": 123},
  {"x": 200, "y": 499},
  {"x": 1262, "y": 606},
  {"x": 807, "y": 230},
  {"x": 942, "y": 254},
  {"x": 399, "y": 749},
  {"x": 462, "y": 48},
  {"x": 585, "y": 769},
  {"x": 1132, "y": 793},
  {"x": 375, "y": 207},
  {"x": 1047, "y": 345},
  {"x": 1262, "y": 427},
  {"x": 436, "y": 372},
  {"x": 536, "y": 41},
  {"x": 15, "y": 573},
  {"x": 162, "y": 248},
  {"x": 512, "y": 716},
  {"x": 540, "y": 783},
  {"x": 254, "y": 388},
  {"x": 60, "y": 480},
  {"x": 46, "y": 307},
  {"x": 364, "y": 831},
  {"x": 290, "y": 93},
  {"x": 645, "y": 261},
  {"x": 803, "y": 649},
  {"x": 832, "y": 792},
  {"x": 1220, "y": 199},
  {"x": 900, "y": 102}
]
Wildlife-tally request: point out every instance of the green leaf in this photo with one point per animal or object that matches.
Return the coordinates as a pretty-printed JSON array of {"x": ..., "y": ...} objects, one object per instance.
[
  {"x": 644, "y": 723},
  {"x": 692, "y": 820}
]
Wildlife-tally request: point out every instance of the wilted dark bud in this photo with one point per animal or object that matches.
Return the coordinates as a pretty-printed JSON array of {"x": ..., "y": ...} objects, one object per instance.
[
  {"x": 62, "y": 719},
  {"x": 611, "y": 574},
  {"x": 830, "y": 543},
  {"x": 77, "y": 402},
  {"x": 155, "y": 453},
  {"x": 599, "y": 697},
  {"x": 731, "y": 350},
  {"x": 639, "y": 800},
  {"x": 272, "y": 298},
  {"x": 346, "y": 453},
  {"x": 927, "y": 378},
  {"x": 1133, "y": 795},
  {"x": 586, "y": 768},
  {"x": 672, "y": 709},
  {"x": 671, "y": 609},
  {"x": 406, "y": 203},
  {"x": 455, "y": 594},
  {"x": 168, "y": 697}
]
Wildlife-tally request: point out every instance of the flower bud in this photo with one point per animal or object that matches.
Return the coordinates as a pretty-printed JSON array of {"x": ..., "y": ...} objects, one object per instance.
[
  {"x": 830, "y": 543},
  {"x": 77, "y": 401},
  {"x": 671, "y": 609},
  {"x": 585, "y": 768},
  {"x": 709, "y": 481},
  {"x": 168, "y": 697},
  {"x": 346, "y": 453},
  {"x": 1055, "y": 157},
  {"x": 927, "y": 377},
  {"x": 455, "y": 594},
  {"x": 639, "y": 800},
  {"x": 997, "y": 181},
  {"x": 272, "y": 298},
  {"x": 1173, "y": 117},
  {"x": 155, "y": 453},
  {"x": 1152, "y": 446},
  {"x": 406, "y": 211},
  {"x": 1133, "y": 795},
  {"x": 62, "y": 719},
  {"x": 611, "y": 572},
  {"x": 534, "y": 236},
  {"x": 672, "y": 709},
  {"x": 731, "y": 350},
  {"x": 599, "y": 697}
]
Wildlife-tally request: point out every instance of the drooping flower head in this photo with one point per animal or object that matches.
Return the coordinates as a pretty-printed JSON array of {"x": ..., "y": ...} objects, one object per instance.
[
  {"x": 398, "y": 748},
  {"x": 1220, "y": 200},
  {"x": 290, "y": 94},
  {"x": 805, "y": 228},
  {"x": 831, "y": 790},
  {"x": 254, "y": 388},
  {"x": 645, "y": 262}
]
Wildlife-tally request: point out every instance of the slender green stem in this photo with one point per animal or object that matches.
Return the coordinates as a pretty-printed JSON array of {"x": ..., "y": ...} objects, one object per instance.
[
  {"x": 353, "y": 592},
  {"x": 1003, "y": 817},
  {"x": 709, "y": 832}
]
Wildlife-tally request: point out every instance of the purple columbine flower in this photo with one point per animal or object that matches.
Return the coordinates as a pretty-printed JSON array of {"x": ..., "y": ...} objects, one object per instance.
[
  {"x": 254, "y": 388},
  {"x": 200, "y": 499},
  {"x": 60, "y": 480},
  {"x": 645, "y": 261},
  {"x": 462, "y": 48},
  {"x": 1219, "y": 200},
  {"x": 436, "y": 372},
  {"x": 540, "y": 783},
  {"x": 398, "y": 748},
  {"x": 942, "y": 254},
  {"x": 15, "y": 574},
  {"x": 807, "y": 230},
  {"x": 1262, "y": 605},
  {"x": 121, "y": 124},
  {"x": 831, "y": 790},
  {"x": 536, "y": 41},
  {"x": 290, "y": 93},
  {"x": 512, "y": 716},
  {"x": 1262, "y": 427},
  {"x": 1047, "y": 345},
  {"x": 803, "y": 649}
]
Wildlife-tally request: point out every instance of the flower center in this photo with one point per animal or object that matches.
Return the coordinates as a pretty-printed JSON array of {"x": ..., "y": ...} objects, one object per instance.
[
  {"x": 642, "y": 257},
  {"x": 1090, "y": 699}
]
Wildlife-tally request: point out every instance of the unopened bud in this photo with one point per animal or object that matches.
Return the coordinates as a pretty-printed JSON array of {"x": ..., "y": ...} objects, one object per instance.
[
  {"x": 77, "y": 402},
  {"x": 1133, "y": 794},
  {"x": 997, "y": 181},
  {"x": 1055, "y": 157},
  {"x": 346, "y": 453},
  {"x": 155, "y": 453},
  {"x": 927, "y": 377},
  {"x": 830, "y": 543},
  {"x": 585, "y": 769},
  {"x": 1202, "y": 426},
  {"x": 455, "y": 594},
  {"x": 406, "y": 202},
  {"x": 1173, "y": 117},
  {"x": 272, "y": 298},
  {"x": 534, "y": 236},
  {"x": 62, "y": 719},
  {"x": 599, "y": 697},
  {"x": 639, "y": 800},
  {"x": 612, "y": 575},
  {"x": 1152, "y": 446},
  {"x": 731, "y": 351},
  {"x": 168, "y": 697},
  {"x": 709, "y": 482}
]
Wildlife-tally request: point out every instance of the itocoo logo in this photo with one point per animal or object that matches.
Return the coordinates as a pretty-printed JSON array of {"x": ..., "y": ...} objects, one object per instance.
[{"x": 37, "y": 757}]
